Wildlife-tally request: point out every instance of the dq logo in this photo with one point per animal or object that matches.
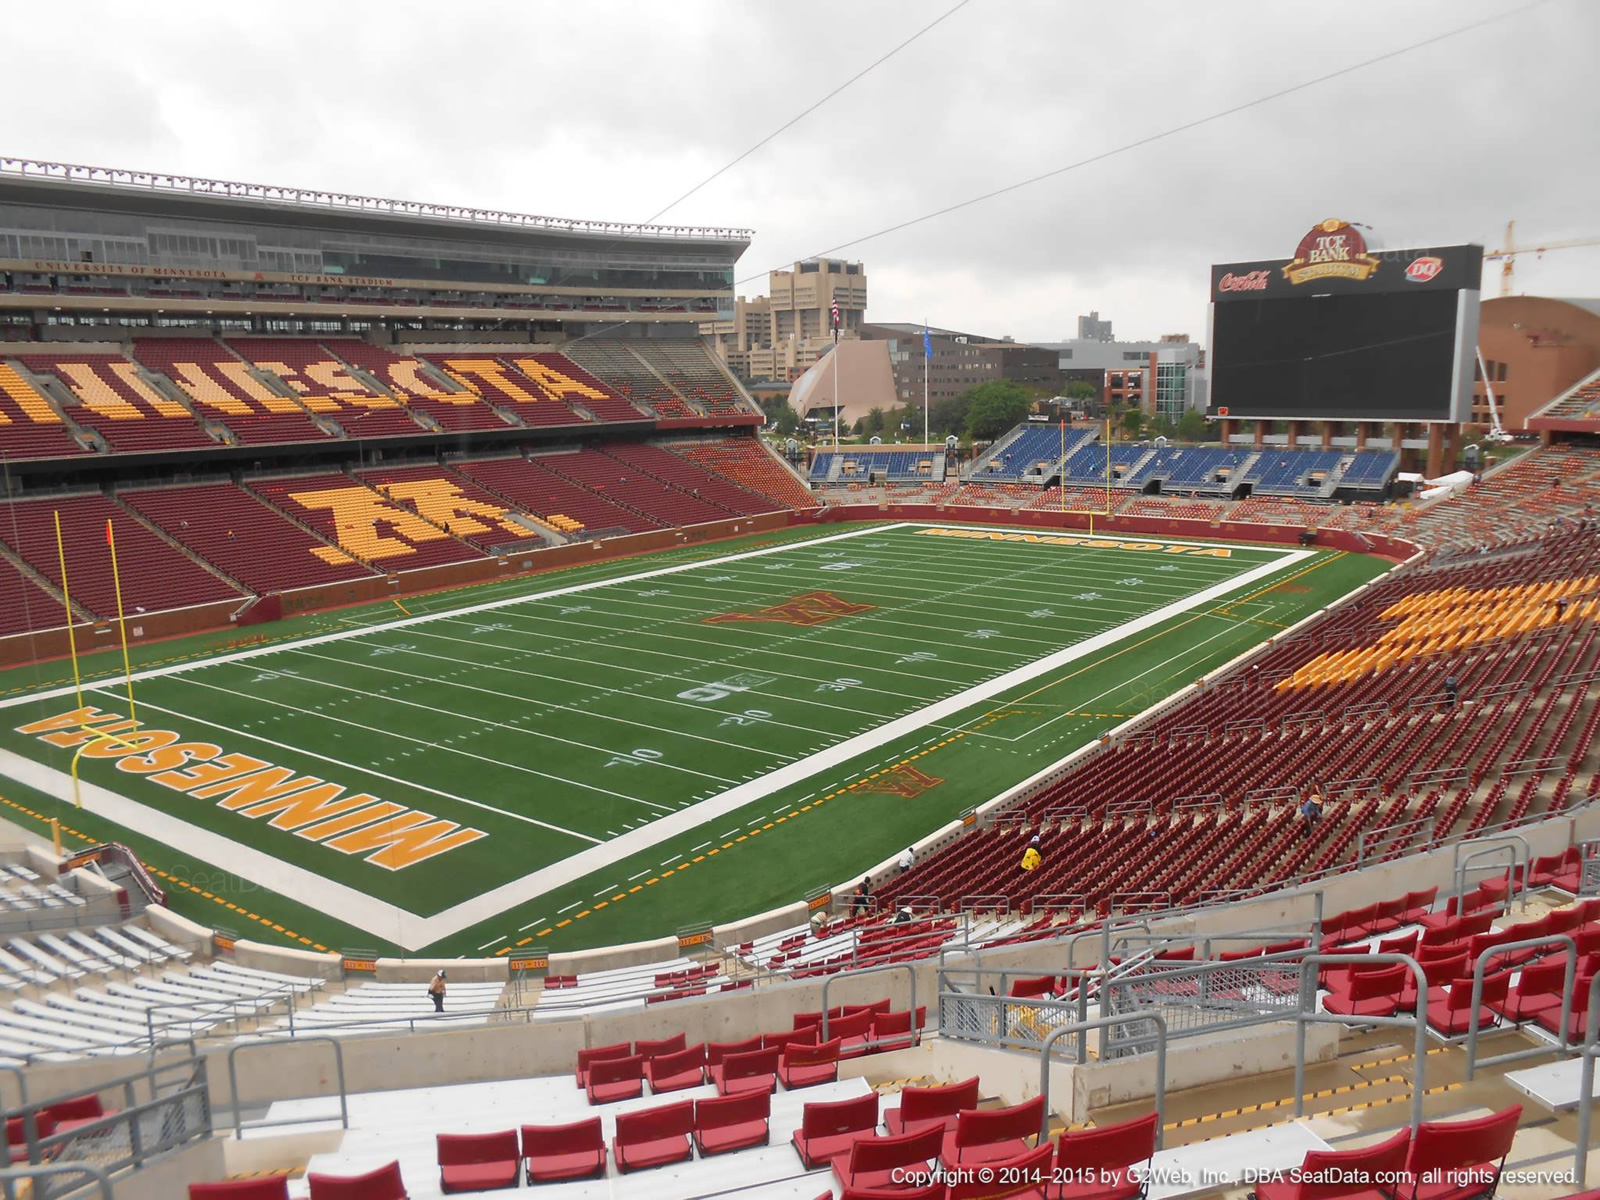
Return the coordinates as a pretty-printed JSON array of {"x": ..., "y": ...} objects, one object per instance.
[
  {"x": 812, "y": 608},
  {"x": 1423, "y": 269}
]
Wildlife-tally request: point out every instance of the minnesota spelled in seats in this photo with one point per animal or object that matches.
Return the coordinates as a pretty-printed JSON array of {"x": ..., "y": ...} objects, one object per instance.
[
  {"x": 113, "y": 400},
  {"x": 325, "y": 386},
  {"x": 534, "y": 485},
  {"x": 224, "y": 388},
  {"x": 155, "y": 575},
  {"x": 408, "y": 380},
  {"x": 559, "y": 378},
  {"x": 505, "y": 387},
  {"x": 626, "y": 373},
  {"x": 451, "y": 502},
  {"x": 29, "y": 426},
  {"x": 245, "y": 537},
  {"x": 361, "y": 523}
]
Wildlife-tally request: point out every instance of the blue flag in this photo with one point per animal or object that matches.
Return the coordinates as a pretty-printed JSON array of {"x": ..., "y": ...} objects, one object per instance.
[{"x": 927, "y": 343}]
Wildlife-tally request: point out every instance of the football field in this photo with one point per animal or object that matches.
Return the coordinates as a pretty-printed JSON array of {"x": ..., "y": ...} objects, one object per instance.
[{"x": 610, "y": 753}]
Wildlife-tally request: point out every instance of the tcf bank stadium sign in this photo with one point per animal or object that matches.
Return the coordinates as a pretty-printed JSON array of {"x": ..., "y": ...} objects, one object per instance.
[{"x": 1333, "y": 250}]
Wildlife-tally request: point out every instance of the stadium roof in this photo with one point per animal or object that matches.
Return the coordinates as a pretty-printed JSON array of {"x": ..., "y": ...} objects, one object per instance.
[{"x": 194, "y": 187}]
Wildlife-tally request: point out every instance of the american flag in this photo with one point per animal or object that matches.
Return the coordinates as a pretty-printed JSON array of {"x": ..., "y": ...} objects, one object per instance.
[{"x": 836, "y": 312}]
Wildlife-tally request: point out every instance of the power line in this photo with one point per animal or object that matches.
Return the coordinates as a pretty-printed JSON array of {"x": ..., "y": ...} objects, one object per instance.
[
  {"x": 1171, "y": 132},
  {"x": 798, "y": 117}
]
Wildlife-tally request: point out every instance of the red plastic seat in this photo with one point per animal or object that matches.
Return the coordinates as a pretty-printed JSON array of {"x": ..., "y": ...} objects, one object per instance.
[
  {"x": 1373, "y": 993},
  {"x": 1578, "y": 1020},
  {"x": 851, "y": 1030},
  {"x": 884, "y": 1162},
  {"x": 675, "y": 1072},
  {"x": 275, "y": 1188},
  {"x": 732, "y": 1122},
  {"x": 1098, "y": 1164},
  {"x": 793, "y": 1037},
  {"x": 654, "y": 1136},
  {"x": 828, "y": 1128},
  {"x": 656, "y": 1049},
  {"x": 77, "y": 1112},
  {"x": 717, "y": 1051},
  {"x": 1384, "y": 1160},
  {"x": 383, "y": 1183},
  {"x": 896, "y": 1030},
  {"x": 478, "y": 1162},
  {"x": 1446, "y": 1156},
  {"x": 613, "y": 1079},
  {"x": 1027, "y": 1175},
  {"x": 922, "y": 1107},
  {"x": 1452, "y": 1016},
  {"x": 1538, "y": 989},
  {"x": 756, "y": 1071},
  {"x": 808, "y": 1066},
  {"x": 552, "y": 1153},
  {"x": 983, "y": 1136},
  {"x": 586, "y": 1058}
]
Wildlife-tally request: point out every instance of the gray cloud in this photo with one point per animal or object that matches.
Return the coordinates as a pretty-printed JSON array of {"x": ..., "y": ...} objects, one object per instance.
[{"x": 610, "y": 109}]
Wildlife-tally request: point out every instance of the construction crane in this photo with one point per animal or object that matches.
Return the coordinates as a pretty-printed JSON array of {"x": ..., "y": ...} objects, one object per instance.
[{"x": 1508, "y": 255}]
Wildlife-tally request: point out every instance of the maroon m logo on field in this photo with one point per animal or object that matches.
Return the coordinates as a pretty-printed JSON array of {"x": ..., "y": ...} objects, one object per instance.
[{"x": 812, "y": 608}]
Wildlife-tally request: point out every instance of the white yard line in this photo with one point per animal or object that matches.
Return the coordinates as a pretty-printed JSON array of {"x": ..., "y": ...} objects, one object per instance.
[
  {"x": 407, "y": 622},
  {"x": 413, "y": 931}
]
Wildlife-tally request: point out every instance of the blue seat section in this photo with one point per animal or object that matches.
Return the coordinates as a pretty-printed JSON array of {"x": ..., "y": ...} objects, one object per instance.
[
  {"x": 1292, "y": 472},
  {"x": 1034, "y": 446},
  {"x": 1087, "y": 467},
  {"x": 1371, "y": 470},
  {"x": 1197, "y": 469},
  {"x": 857, "y": 466}
]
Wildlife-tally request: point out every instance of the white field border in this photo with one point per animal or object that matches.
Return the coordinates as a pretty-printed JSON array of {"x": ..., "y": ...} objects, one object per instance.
[{"x": 412, "y": 931}]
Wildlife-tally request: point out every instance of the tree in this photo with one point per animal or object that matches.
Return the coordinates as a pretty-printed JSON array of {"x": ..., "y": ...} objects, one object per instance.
[
  {"x": 1164, "y": 427},
  {"x": 875, "y": 420},
  {"x": 1193, "y": 426},
  {"x": 1081, "y": 389},
  {"x": 994, "y": 407},
  {"x": 1132, "y": 423},
  {"x": 788, "y": 421}
]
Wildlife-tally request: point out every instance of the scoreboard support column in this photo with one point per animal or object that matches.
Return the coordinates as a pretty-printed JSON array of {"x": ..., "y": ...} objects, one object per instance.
[{"x": 1441, "y": 448}]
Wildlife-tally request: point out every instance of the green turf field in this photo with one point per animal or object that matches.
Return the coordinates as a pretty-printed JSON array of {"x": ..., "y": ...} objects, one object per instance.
[{"x": 614, "y": 752}]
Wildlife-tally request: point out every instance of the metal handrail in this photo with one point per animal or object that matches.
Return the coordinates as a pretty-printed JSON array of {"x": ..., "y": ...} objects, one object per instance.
[
  {"x": 1478, "y": 969},
  {"x": 1486, "y": 846},
  {"x": 14, "y": 1175},
  {"x": 878, "y": 970},
  {"x": 233, "y": 1087},
  {"x": 1080, "y": 1029},
  {"x": 1591, "y": 1049},
  {"x": 22, "y": 1083},
  {"x": 1308, "y": 1015}
]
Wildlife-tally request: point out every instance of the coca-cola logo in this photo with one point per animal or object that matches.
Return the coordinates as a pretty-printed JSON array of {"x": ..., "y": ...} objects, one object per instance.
[
  {"x": 1255, "y": 281},
  {"x": 1423, "y": 269}
]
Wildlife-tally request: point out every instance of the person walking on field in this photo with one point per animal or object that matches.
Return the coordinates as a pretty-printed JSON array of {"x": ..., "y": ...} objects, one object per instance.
[{"x": 436, "y": 991}]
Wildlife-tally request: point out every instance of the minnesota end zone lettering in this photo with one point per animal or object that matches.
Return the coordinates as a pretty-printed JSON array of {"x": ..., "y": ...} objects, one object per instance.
[
  {"x": 1045, "y": 539},
  {"x": 812, "y": 608},
  {"x": 389, "y": 835}
]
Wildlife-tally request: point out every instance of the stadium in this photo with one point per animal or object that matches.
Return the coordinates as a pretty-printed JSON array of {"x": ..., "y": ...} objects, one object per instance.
[{"x": 450, "y": 747}]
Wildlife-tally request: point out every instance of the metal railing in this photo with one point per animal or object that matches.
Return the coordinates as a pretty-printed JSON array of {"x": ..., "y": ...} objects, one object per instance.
[
  {"x": 1589, "y": 1052},
  {"x": 1306, "y": 1014},
  {"x": 1478, "y": 969},
  {"x": 911, "y": 973},
  {"x": 1485, "y": 847},
  {"x": 263, "y": 1123},
  {"x": 38, "y": 1178},
  {"x": 1081, "y": 1030},
  {"x": 159, "y": 1114}
]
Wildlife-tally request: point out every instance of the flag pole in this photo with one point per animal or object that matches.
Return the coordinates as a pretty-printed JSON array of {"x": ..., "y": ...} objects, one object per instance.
[
  {"x": 1061, "y": 483},
  {"x": 927, "y": 367},
  {"x": 838, "y": 408},
  {"x": 116, "y": 580}
]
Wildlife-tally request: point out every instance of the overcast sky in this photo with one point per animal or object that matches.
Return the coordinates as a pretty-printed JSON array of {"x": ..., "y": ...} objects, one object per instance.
[{"x": 609, "y": 110}]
